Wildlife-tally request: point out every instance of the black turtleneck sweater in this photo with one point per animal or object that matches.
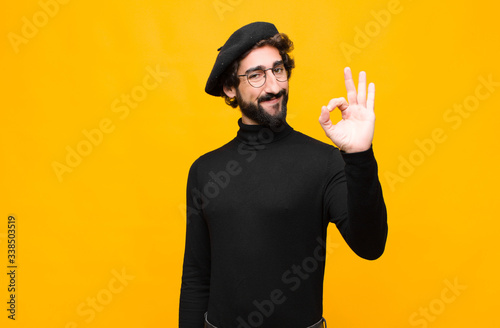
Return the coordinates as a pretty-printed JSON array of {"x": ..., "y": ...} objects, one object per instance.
[{"x": 257, "y": 215}]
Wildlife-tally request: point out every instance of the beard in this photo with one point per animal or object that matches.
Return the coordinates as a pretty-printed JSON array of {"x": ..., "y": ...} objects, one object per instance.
[{"x": 259, "y": 115}]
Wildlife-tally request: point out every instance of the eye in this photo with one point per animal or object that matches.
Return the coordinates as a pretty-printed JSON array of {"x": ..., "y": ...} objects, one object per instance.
[
  {"x": 255, "y": 75},
  {"x": 279, "y": 69}
]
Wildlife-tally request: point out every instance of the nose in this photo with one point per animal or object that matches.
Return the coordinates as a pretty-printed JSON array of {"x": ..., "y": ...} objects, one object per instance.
[{"x": 271, "y": 85}]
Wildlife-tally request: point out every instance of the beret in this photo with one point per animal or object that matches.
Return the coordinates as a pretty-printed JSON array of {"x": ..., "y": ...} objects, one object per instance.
[{"x": 238, "y": 43}]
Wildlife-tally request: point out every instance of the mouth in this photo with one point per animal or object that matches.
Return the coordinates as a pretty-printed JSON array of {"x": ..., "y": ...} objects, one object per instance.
[{"x": 272, "y": 101}]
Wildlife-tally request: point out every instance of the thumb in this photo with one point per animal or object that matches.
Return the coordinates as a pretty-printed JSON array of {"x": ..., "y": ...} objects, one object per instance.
[{"x": 324, "y": 119}]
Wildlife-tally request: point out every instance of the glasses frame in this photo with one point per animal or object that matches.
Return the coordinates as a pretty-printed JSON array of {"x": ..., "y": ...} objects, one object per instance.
[{"x": 265, "y": 74}]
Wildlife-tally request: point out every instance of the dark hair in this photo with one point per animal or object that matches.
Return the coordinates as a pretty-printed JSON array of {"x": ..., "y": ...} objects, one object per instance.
[{"x": 230, "y": 76}]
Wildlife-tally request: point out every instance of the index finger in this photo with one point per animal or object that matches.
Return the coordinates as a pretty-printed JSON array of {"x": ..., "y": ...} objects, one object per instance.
[{"x": 349, "y": 86}]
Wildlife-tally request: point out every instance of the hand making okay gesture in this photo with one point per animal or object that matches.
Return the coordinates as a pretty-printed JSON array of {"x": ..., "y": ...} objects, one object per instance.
[{"x": 354, "y": 132}]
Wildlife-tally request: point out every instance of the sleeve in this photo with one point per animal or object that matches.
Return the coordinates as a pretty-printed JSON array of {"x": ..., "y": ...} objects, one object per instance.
[
  {"x": 195, "y": 287},
  {"x": 356, "y": 205}
]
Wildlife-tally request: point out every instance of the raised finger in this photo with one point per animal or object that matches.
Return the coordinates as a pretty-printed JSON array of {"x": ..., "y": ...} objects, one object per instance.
[
  {"x": 362, "y": 89},
  {"x": 349, "y": 86},
  {"x": 370, "y": 101}
]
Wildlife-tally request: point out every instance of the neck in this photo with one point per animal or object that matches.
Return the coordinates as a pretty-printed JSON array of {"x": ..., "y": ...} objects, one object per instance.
[
  {"x": 248, "y": 121},
  {"x": 254, "y": 134}
]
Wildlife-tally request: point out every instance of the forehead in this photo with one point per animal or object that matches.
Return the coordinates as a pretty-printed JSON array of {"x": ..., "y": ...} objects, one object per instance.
[{"x": 264, "y": 56}]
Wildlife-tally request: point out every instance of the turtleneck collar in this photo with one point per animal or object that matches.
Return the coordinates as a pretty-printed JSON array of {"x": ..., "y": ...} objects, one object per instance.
[{"x": 259, "y": 134}]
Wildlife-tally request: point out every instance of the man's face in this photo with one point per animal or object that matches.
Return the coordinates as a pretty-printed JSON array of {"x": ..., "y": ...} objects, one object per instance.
[{"x": 265, "y": 105}]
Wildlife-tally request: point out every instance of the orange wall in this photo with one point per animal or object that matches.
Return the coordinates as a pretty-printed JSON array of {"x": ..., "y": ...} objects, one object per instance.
[{"x": 103, "y": 112}]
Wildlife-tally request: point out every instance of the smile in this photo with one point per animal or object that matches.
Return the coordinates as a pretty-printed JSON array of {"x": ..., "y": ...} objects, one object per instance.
[{"x": 272, "y": 101}]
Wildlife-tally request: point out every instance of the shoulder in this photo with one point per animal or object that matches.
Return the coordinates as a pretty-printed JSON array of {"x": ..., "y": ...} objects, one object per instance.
[
  {"x": 317, "y": 155},
  {"x": 214, "y": 158},
  {"x": 300, "y": 139}
]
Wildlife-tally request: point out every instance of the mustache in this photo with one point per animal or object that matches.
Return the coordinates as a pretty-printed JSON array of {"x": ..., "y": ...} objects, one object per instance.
[{"x": 271, "y": 96}]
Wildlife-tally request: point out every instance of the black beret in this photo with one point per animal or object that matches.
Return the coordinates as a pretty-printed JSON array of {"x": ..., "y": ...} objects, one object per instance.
[{"x": 238, "y": 43}]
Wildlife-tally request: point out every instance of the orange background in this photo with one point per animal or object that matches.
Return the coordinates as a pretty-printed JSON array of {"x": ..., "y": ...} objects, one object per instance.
[{"x": 95, "y": 151}]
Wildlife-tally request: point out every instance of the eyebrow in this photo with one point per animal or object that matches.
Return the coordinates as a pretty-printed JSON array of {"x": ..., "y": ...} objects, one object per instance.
[{"x": 251, "y": 69}]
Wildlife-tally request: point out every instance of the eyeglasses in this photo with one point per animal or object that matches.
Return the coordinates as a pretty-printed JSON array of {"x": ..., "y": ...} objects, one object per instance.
[{"x": 257, "y": 78}]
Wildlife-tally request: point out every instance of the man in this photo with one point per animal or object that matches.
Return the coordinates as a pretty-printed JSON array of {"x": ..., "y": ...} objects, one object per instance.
[{"x": 259, "y": 206}]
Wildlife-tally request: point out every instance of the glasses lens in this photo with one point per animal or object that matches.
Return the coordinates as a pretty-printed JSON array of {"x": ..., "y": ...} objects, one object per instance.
[
  {"x": 280, "y": 73},
  {"x": 256, "y": 78}
]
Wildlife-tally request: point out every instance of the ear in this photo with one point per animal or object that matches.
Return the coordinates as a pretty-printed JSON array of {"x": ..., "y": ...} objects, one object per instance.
[{"x": 230, "y": 92}]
